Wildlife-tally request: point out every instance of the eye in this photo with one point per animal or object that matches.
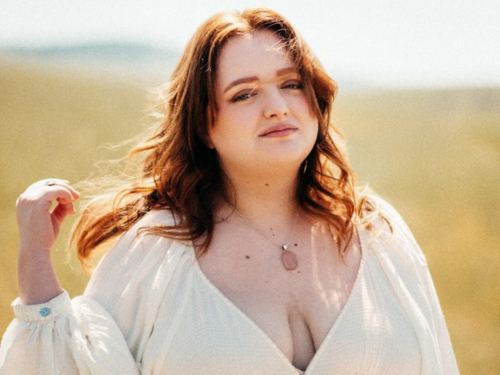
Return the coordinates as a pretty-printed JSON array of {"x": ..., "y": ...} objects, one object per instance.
[
  {"x": 293, "y": 85},
  {"x": 241, "y": 96}
]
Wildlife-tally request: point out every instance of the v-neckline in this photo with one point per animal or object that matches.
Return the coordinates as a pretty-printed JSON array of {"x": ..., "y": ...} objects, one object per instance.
[{"x": 265, "y": 336}]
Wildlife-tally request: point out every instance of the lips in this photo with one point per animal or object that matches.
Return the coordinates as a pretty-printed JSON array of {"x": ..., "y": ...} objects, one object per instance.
[{"x": 278, "y": 129}]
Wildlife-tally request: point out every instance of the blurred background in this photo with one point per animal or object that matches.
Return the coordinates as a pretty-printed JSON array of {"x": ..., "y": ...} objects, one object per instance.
[{"x": 418, "y": 101}]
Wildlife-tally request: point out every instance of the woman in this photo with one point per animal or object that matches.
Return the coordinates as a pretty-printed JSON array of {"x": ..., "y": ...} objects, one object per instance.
[{"x": 245, "y": 248}]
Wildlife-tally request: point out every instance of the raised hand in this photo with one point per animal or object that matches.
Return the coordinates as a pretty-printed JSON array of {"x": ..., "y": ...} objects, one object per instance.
[
  {"x": 38, "y": 220},
  {"x": 41, "y": 210}
]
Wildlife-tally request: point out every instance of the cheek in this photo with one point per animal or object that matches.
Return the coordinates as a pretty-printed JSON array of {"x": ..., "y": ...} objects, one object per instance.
[
  {"x": 224, "y": 133},
  {"x": 307, "y": 116},
  {"x": 216, "y": 130},
  {"x": 302, "y": 106},
  {"x": 310, "y": 117},
  {"x": 314, "y": 134},
  {"x": 312, "y": 130}
]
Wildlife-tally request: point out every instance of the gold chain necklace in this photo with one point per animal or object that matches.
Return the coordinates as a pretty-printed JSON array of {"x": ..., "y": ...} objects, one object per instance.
[{"x": 288, "y": 258}]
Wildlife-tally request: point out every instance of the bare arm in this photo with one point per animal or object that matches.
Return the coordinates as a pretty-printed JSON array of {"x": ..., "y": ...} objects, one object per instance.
[{"x": 38, "y": 228}]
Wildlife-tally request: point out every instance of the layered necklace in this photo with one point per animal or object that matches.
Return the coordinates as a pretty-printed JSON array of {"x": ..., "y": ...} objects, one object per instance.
[{"x": 288, "y": 258}]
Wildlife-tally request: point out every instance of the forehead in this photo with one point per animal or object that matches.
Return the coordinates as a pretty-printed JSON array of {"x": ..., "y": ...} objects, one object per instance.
[{"x": 260, "y": 54}]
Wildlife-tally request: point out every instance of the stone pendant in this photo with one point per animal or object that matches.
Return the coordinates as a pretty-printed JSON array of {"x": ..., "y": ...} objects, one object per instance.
[{"x": 289, "y": 259}]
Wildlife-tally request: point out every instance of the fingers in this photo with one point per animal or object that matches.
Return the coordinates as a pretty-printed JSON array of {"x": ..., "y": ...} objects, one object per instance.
[
  {"x": 38, "y": 219},
  {"x": 74, "y": 193},
  {"x": 46, "y": 182},
  {"x": 51, "y": 183},
  {"x": 62, "y": 210},
  {"x": 38, "y": 199}
]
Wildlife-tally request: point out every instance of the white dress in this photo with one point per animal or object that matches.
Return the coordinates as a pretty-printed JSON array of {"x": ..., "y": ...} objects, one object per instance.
[{"x": 149, "y": 309}]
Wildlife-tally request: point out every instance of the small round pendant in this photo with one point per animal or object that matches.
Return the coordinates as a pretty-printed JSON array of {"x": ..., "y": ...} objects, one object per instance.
[{"x": 289, "y": 260}]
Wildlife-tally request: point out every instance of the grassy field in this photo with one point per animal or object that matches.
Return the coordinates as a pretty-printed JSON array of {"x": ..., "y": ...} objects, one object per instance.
[{"x": 434, "y": 154}]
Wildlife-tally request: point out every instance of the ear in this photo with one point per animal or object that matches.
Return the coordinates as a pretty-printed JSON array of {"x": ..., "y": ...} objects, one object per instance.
[
  {"x": 208, "y": 142},
  {"x": 210, "y": 145}
]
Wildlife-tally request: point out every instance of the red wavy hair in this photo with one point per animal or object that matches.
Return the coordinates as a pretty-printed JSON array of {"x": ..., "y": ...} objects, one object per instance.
[{"x": 181, "y": 174}]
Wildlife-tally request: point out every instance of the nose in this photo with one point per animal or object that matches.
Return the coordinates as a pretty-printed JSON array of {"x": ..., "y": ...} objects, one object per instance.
[{"x": 276, "y": 105}]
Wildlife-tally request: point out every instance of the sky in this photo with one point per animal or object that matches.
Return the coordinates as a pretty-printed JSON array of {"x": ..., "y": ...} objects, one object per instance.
[{"x": 419, "y": 43}]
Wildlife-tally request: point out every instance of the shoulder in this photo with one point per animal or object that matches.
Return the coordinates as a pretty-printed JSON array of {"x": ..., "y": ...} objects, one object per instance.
[
  {"x": 139, "y": 253},
  {"x": 141, "y": 237},
  {"x": 154, "y": 218},
  {"x": 132, "y": 278},
  {"x": 393, "y": 253},
  {"x": 390, "y": 234}
]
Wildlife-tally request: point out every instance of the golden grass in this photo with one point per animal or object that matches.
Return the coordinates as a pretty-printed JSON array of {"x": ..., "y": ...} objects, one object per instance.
[{"x": 434, "y": 154}]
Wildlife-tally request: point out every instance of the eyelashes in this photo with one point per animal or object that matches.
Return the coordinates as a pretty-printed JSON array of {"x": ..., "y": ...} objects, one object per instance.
[
  {"x": 247, "y": 94},
  {"x": 243, "y": 96},
  {"x": 297, "y": 85}
]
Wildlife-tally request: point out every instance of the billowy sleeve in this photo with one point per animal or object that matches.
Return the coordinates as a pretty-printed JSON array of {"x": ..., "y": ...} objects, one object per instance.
[
  {"x": 103, "y": 331},
  {"x": 64, "y": 337},
  {"x": 406, "y": 266}
]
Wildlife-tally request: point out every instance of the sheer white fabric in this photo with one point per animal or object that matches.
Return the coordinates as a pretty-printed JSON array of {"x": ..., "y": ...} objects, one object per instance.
[{"x": 149, "y": 309}]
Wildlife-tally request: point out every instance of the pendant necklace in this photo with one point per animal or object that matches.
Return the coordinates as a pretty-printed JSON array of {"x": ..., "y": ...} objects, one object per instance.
[{"x": 288, "y": 258}]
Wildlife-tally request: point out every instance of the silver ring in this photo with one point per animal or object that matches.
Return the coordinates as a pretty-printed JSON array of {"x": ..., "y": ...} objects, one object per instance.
[{"x": 49, "y": 183}]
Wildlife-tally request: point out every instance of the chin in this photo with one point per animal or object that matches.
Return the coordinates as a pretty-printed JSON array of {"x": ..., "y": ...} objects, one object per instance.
[{"x": 284, "y": 161}]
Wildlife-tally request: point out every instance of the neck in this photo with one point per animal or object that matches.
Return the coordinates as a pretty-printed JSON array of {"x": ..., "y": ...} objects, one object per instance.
[{"x": 264, "y": 199}]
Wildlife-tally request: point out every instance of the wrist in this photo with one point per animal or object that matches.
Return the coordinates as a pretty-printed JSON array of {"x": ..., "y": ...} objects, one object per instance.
[{"x": 37, "y": 279}]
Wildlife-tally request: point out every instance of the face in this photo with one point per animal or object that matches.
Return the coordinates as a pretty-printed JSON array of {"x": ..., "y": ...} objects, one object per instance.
[{"x": 264, "y": 118}]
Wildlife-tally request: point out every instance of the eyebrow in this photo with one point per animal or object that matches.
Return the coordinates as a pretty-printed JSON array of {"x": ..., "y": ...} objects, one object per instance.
[{"x": 279, "y": 73}]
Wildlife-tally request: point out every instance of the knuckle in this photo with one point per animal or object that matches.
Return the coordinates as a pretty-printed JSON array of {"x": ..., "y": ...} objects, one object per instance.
[
  {"x": 27, "y": 199},
  {"x": 21, "y": 199}
]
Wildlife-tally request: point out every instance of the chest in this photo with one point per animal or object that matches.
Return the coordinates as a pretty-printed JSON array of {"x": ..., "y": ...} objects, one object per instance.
[
  {"x": 199, "y": 330},
  {"x": 294, "y": 309}
]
